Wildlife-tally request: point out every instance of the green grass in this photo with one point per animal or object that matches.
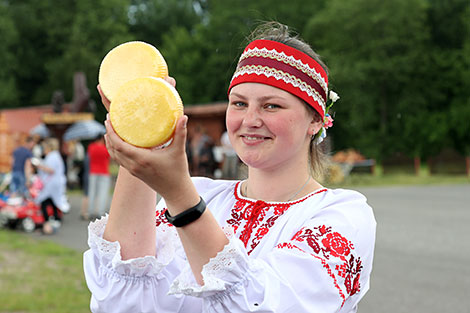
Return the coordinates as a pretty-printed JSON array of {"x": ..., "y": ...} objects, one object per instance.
[{"x": 40, "y": 276}]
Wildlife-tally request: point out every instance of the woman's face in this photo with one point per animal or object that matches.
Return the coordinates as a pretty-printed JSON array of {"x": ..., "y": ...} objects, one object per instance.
[{"x": 269, "y": 127}]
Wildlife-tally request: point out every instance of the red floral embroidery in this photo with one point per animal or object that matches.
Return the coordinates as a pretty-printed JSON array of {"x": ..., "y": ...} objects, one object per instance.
[
  {"x": 327, "y": 245},
  {"x": 253, "y": 214},
  {"x": 161, "y": 219},
  {"x": 352, "y": 274},
  {"x": 337, "y": 245},
  {"x": 324, "y": 264},
  {"x": 236, "y": 215}
]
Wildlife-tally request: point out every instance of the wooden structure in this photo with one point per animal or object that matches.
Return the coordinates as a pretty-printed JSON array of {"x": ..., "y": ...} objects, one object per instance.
[
  {"x": 211, "y": 117},
  {"x": 16, "y": 124}
]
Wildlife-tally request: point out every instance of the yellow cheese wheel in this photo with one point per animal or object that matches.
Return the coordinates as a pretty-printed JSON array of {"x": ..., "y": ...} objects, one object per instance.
[
  {"x": 145, "y": 110},
  {"x": 129, "y": 61}
]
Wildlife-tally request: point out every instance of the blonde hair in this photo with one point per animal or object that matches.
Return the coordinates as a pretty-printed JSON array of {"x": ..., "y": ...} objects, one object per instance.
[{"x": 51, "y": 143}]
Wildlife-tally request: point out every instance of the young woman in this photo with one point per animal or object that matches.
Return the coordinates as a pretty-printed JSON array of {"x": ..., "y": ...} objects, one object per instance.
[{"x": 275, "y": 242}]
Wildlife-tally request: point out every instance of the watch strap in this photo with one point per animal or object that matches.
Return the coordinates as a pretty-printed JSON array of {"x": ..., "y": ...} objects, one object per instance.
[{"x": 188, "y": 216}]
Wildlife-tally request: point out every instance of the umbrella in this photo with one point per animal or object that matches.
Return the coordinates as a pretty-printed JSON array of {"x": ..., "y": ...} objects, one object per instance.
[
  {"x": 84, "y": 130},
  {"x": 41, "y": 130}
]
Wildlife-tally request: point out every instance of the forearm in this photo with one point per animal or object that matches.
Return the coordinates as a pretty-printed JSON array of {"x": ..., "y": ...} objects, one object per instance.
[
  {"x": 28, "y": 171},
  {"x": 132, "y": 216},
  {"x": 45, "y": 169},
  {"x": 201, "y": 239}
]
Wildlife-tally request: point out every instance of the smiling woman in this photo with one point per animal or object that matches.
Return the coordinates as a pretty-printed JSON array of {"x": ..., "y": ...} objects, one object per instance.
[
  {"x": 276, "y": 242},
  {"x": 260, "y": 127}
]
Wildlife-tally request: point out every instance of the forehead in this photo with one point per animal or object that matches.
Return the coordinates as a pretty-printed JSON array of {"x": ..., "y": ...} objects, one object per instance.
[
  {"x": 258, "y": 92},
  {"x": 255, "y": 90}
]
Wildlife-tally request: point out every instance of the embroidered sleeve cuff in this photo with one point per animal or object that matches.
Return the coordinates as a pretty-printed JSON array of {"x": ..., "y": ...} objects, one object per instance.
[
  {"x": 221, "y": 274},
  {"x": 109, "y": 253}
]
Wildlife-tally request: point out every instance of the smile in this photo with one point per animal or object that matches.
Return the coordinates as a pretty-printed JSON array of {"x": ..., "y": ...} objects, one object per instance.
[{"x": 253, "y": 139}]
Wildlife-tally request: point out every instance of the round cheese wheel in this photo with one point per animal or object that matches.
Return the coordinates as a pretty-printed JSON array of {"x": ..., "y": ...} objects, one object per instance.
[
  {"x": 144, "y": 111},
  {"x": 129, "y": 61}
]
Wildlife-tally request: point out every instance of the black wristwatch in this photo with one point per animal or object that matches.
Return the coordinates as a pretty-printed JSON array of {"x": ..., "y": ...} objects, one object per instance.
[{"x": 188, "y": 216}]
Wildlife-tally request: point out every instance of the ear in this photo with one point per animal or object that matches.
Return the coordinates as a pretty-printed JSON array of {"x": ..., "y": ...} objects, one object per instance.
[{"x": 315, "y": 125}]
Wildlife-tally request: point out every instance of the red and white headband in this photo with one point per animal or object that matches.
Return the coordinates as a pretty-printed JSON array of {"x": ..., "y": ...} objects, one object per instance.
[{"x": 278, "y": 65}]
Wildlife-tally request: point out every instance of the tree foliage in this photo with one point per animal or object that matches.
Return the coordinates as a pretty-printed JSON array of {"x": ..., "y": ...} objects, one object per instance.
[
  {"x": 401, "y": 67},
  {"x": 8, "y": 79}
]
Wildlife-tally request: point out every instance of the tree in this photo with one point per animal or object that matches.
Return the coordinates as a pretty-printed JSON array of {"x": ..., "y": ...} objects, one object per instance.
[
  {"x": 150, "y": 20},
  {"x": 42, "y": 34},
  {"x": 450, "y": 33},
  {"x": 9, "y": 96},
  {"x": 97, "y": 27},
  {"x": 375, "y": 58},
  {"x": 216, "y": 43}
]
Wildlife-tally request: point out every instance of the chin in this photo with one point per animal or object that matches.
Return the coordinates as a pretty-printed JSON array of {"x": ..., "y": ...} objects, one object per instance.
[{"x": 256, "y": 163}]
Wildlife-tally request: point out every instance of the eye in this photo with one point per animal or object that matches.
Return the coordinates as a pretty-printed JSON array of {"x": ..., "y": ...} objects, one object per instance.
[
  {"x": 271, "y": 106},
  {"x": 239, "y": 104}
]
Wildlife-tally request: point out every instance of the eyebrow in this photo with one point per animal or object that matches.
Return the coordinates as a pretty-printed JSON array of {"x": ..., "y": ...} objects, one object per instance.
[{"x": 263, "y": 98}]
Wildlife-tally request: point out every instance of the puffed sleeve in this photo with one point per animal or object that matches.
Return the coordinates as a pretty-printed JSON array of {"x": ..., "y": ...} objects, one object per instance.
[
  {"x": 323, "y": 265},
  {"x": 135, "y": 285}
]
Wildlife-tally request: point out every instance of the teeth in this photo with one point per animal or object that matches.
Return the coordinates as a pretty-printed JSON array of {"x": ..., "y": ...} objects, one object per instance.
[{"x": 253, "y": 138}]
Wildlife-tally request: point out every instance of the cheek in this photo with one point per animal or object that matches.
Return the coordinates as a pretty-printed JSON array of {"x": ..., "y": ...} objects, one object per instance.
[
  {"x": 297, "y": 133},
  {"x": 232, "y": 120},
  {"x": 286, "y": 128}
]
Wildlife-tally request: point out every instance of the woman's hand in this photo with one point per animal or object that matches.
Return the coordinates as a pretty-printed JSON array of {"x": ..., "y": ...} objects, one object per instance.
[
  {"x": 104, "y": 100},
  {"x": 163, "y": 169}
]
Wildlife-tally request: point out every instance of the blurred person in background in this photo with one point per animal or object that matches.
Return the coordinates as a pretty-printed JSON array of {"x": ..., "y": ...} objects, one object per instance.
[
  {"x": 99, "y": 178},
  {"x": 199, "y": 150},
  {"x": 84, "y": 178},
  {"x": 51, "y": 172},
  {"x": 22, "y": 169},
  {"x": 230, "y": 161}
]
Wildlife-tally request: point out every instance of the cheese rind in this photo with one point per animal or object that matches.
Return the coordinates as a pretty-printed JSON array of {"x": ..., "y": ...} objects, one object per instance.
[
  {"x": 145, "y": 110},
  {"x": 129, "y": 61}
]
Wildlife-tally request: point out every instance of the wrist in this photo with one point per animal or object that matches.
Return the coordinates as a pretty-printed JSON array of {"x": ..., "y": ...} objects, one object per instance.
[
  {"x": 182, "y": 198},
  {"x": 187, "y": 216}
]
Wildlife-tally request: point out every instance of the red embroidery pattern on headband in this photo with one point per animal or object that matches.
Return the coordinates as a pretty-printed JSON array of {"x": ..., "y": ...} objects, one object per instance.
[
  {"x": 281, "y": 75},
  {"x": 279, "y": 65},
  {"x": 282, "y": 58},
  {"x": 327, "y": 245}
]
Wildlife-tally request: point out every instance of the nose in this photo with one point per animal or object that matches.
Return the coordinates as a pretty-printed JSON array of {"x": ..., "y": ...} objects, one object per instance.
[{"x": 252, "y": 117}]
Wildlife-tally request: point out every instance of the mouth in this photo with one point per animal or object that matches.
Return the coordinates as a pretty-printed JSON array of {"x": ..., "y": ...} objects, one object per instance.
[{"x": 254, "y": 138}]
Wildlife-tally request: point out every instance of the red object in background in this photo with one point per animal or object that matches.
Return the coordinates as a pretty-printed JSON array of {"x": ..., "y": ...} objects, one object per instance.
[
  {"x": 24, "y": 211},
  {"x": 27, "y": 213}
]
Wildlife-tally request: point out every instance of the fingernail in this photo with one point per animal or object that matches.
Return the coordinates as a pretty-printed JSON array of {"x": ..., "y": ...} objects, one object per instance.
[
  {"x": 107, "y": 116},
  {"x": 185, "y": 123}
]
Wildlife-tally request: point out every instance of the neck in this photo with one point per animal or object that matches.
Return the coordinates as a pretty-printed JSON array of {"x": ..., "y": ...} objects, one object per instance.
[{"x": 280, "y": 185}]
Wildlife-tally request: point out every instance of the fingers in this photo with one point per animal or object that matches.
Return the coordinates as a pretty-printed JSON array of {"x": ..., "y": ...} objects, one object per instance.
[
  {"x": 104, "y": 100},
  {"x": 181, "y": 131},
  {"x": 109, "y": 132},
  {"x": 171, "y": 81}
]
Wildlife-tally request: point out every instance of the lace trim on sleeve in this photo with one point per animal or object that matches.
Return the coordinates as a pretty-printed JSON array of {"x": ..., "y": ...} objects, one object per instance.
[
  {"x": 224, "y": 272},
  {"x": 109, "y": 253}
]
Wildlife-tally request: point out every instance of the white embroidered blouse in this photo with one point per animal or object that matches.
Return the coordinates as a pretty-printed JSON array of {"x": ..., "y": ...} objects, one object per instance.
[{"x": 309, "y": 255}]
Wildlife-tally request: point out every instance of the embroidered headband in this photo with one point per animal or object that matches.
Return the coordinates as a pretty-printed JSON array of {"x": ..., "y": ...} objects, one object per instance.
[{"x": 279, "y": 65}]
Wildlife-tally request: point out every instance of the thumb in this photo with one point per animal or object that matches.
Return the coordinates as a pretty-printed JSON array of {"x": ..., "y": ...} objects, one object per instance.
[{"x": 181, "y": 132}]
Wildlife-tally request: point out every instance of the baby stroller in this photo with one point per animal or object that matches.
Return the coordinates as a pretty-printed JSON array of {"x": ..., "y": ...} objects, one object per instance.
[{"x": 23, "y": 211}]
